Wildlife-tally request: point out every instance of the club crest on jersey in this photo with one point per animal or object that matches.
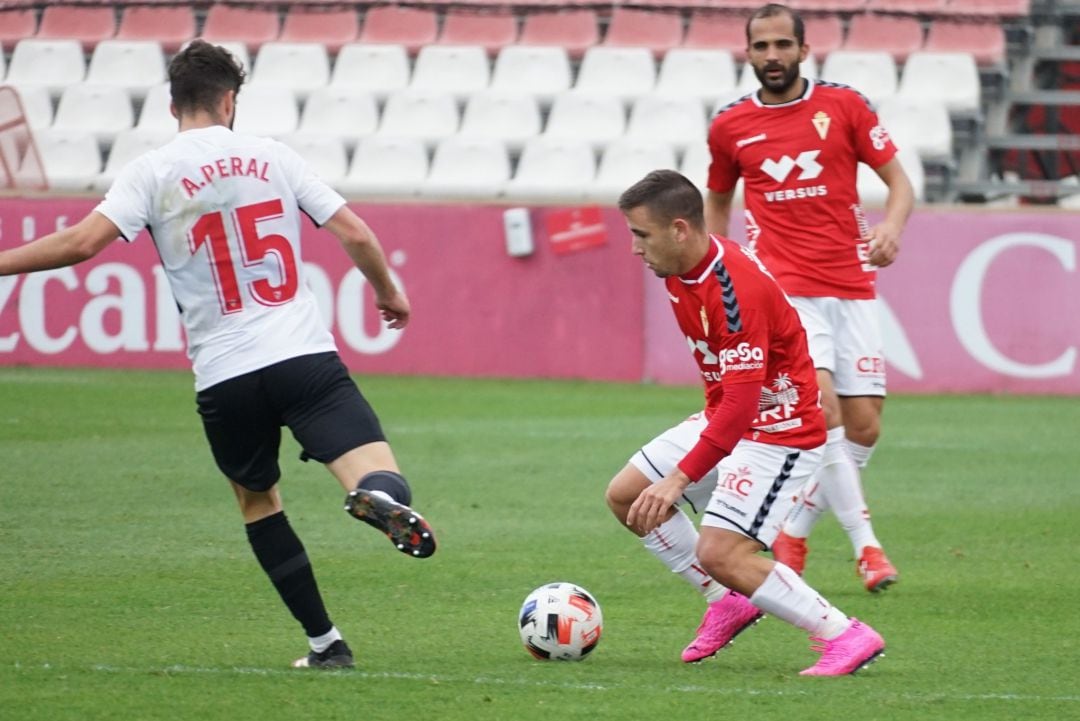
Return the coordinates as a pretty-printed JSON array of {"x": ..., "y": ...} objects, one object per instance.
[{"x": 821, "y": 121}]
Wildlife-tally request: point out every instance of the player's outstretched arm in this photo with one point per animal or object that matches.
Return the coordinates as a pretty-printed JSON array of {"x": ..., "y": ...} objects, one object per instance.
[
  {"x": 718, "y": 212},
  {"x": 69, "y": 246},
  {"x": 885, "y": 236},
  {"x": 363, "y": 247}
]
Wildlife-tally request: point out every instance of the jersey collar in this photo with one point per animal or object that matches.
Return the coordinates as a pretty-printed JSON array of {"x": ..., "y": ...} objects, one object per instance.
[
  {"x": 807, "y": 92},
  {"x": 703, "y": 270}
]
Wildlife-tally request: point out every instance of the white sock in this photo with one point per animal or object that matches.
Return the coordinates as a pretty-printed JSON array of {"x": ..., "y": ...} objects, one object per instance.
[
  {"x": 842, "y": 488},
  {"x": 789, "y": 598},
  {"x": 859, "y": 453},
  {"x": 809, "y": 505},
  {"x": 674, "y": 542},
  {"x": 321, "y": 643}
]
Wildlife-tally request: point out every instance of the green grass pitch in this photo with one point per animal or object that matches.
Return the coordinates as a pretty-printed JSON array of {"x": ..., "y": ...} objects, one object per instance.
[{"x": 127, "y": 589}]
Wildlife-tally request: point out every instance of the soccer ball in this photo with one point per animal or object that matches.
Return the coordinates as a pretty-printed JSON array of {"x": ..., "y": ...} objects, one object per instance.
[{"x": 560, "y": 621}]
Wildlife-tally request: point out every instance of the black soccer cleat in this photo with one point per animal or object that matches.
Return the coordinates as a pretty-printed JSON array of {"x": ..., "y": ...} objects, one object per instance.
[
  {"x": 337, "y": 655},
  {"x": 405, "y": 528}
]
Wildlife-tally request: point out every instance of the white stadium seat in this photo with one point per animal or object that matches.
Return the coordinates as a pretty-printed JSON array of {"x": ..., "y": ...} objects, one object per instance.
[
  {"x": 299, "y": 67},
  {"x": 921, "y": 125},
  {"x": 72, "y": 159},
  {"x": 595, "y": 119},
  {"x": 872, "y": 73},
  {"x": 660, "y": 118},
  {"x": 36, "y": 103},
  {"x": 341, "y": 112},
  {"x": 626, "y": 73},
  {"x": 553, "y": 169},
  {"x": 538, "y": 70},
  {"x": 507, "y": 117},
  {"x": 54, "y": 64},
  {"x": 324, "y": 154},
  {"x": 949, "y": 78},
  {"x": 377, "y": 69},
  {"x": 155, "y": 115},
  {"x": 386, "y": 167},
  {"x": 625, "y": 162},
  {"x": 128, "y": 145},
  {"x": 266, "y": 110},
  {"x": 707, "y": 75},
  {"x": 103, "y": 110},
  {"x": 134, "y": 65},
  {"x": 426, "y": 116},
  {"x": 456, "y": 69},
  {"x": 468, "y": 168}
]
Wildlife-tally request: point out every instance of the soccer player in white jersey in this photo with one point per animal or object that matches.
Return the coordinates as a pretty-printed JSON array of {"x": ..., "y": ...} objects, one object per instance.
[
  {"x": 796, "y": 143},
  {"x": 223, "y": 210},
  {"x": 760, "y": 436}
]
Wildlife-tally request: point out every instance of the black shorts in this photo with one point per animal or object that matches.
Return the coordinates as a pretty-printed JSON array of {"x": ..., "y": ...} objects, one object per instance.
[{"x": 313, "y": 395}]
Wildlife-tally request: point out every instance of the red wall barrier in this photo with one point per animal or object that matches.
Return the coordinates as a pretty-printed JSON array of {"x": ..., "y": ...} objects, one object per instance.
[{"x": 979, "y": 301}]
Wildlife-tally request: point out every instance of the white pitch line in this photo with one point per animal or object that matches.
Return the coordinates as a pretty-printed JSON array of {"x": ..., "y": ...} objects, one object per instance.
[{"x": 569, "y": 685}]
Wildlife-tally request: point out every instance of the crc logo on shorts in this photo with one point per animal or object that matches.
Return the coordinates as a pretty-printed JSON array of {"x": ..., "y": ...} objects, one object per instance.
[
  {"x": 806, "y": 162},
  {"x": 870, "y": 365},
  {"x": 743, "y": 357},
  {"x": 738, "y": 483}
]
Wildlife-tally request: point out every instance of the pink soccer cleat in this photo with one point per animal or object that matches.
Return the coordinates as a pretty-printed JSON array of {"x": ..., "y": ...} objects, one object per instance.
[
  {"x": 875, "y": 570},
  {"x": 724, "y": 620},
  {"x": 855, "y": 648},
  {"x": 790, "y": 551}
]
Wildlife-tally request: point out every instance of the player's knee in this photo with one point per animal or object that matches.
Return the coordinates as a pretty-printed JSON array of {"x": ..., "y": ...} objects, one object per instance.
[
  {"x": 619, "y": 496},
  {"x": 391, "y": 483},
  {"x": 864, "y": 431}
]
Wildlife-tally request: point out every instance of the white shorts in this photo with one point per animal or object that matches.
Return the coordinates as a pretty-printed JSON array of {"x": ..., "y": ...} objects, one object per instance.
[
  {"x": 749, "y": 492},
  {"x": 845, "y": 339}
]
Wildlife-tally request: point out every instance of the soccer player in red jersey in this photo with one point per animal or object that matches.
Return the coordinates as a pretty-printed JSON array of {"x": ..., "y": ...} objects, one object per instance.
[
  {"x": 760, "y": 436},
  {"x": 796, "y": 143}
]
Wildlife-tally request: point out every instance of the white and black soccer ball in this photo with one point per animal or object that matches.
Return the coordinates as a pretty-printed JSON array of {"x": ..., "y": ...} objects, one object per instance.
[{"x": 560, "y": 621}]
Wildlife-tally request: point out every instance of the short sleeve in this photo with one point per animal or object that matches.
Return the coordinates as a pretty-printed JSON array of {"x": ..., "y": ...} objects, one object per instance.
[
  {"x": 873, "y": 145},
  {"x": 317, "y": 199},
  {"x": 128, "y": 201},
  {"x": 723, "y": 168}
]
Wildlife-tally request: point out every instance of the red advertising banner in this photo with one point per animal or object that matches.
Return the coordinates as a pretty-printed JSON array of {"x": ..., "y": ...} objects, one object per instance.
[
  {"x": 573, "y": 229},
  {"x": 978, "y": 301}
]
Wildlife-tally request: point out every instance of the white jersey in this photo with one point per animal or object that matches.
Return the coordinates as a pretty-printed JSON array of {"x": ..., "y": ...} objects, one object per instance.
[{"x": 224, "y": 212}]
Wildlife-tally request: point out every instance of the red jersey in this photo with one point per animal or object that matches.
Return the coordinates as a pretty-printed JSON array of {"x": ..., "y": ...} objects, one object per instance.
[
  {"x": 741, "y": 329},
  {"x": 798, "y": 162}
]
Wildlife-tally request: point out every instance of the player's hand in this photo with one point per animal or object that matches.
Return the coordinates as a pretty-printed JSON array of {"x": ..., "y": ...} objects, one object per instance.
[
  {"x": 650, "y": 509},
  {"x": 394, "y": 310},
  {"x": 884, "y": 242}
]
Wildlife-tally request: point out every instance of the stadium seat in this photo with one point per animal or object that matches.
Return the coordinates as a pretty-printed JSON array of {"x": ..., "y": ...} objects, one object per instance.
[
  {"x": 587, "y": 117},
  {"x": 872, "y": 189},
  {"x": 134, "y": 65},
  {"x": 71, "y": 159},
  {"x": 507, "y": 117},
  {"x": 492, "y": 29},
  {"x": 949, "y": 78},
  {"x": 239, "y": 51},
  {"x": 990, "y": 8},
  {"x": 16, "y": 25},
  {"x": 54, "y": 64},
  {"x": 340, "y": 112},
  {"x": 984, "y": 40},
  {"x": 467, "y": 169},
  {"x": 831, "y": 6},
  {"x": 103, "y": 110},
  {"x": 872, "y": 73},
  {"x": 251, "y": 26},
  {"x": 88, "y": 25},
  {"x": 377, "y": 69},
  {"x": 155, "y": 116},
  {"x": 634, "y": 27},
  {"x": 897, "y": 35},
  {"x": 36, "y": 104},
  {"x": 128, "y": 145},
  {"x": 333, "y": 28},
  {"x": 411, "y": 27},
  {"x": 417, "y": 115},
  {"x": 674, "y": 121},
  {"x": 553, "y": 170},
  {"x": 694, "y": 163},
  {"x": 824, "y": 34},
  {"x": 171, "y": 26},
  {"x": 913, "y": 7},
  {"x": 626, "y": 161},
  {"x": 707, "y": 75},
  {"x": 267, "y": 110},
  {"x": 459, "y": 70},
  {"x": 299, "y": 67},
  {"x": 574, "y": 30},
  {"x": 386, "y": 167},
  {"x": 324, "y": 154},
  {"x": 918, "y": 124},
  {"x": 540, "y": 71},
  {"x": 626, "y": 73},
  {"x": 708, "y": 30}
]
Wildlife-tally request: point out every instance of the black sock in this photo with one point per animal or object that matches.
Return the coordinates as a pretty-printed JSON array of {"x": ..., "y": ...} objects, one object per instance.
[
  {"x": 282, "y": 556},
  {"x": 390, "y": 483}
]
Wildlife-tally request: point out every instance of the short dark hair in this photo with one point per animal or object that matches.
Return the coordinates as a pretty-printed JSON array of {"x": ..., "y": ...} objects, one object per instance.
[
  {"x": 200, "y": 74},
  {"x": 668, "y": 195},
  {"x": 773, "y": 10}
]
